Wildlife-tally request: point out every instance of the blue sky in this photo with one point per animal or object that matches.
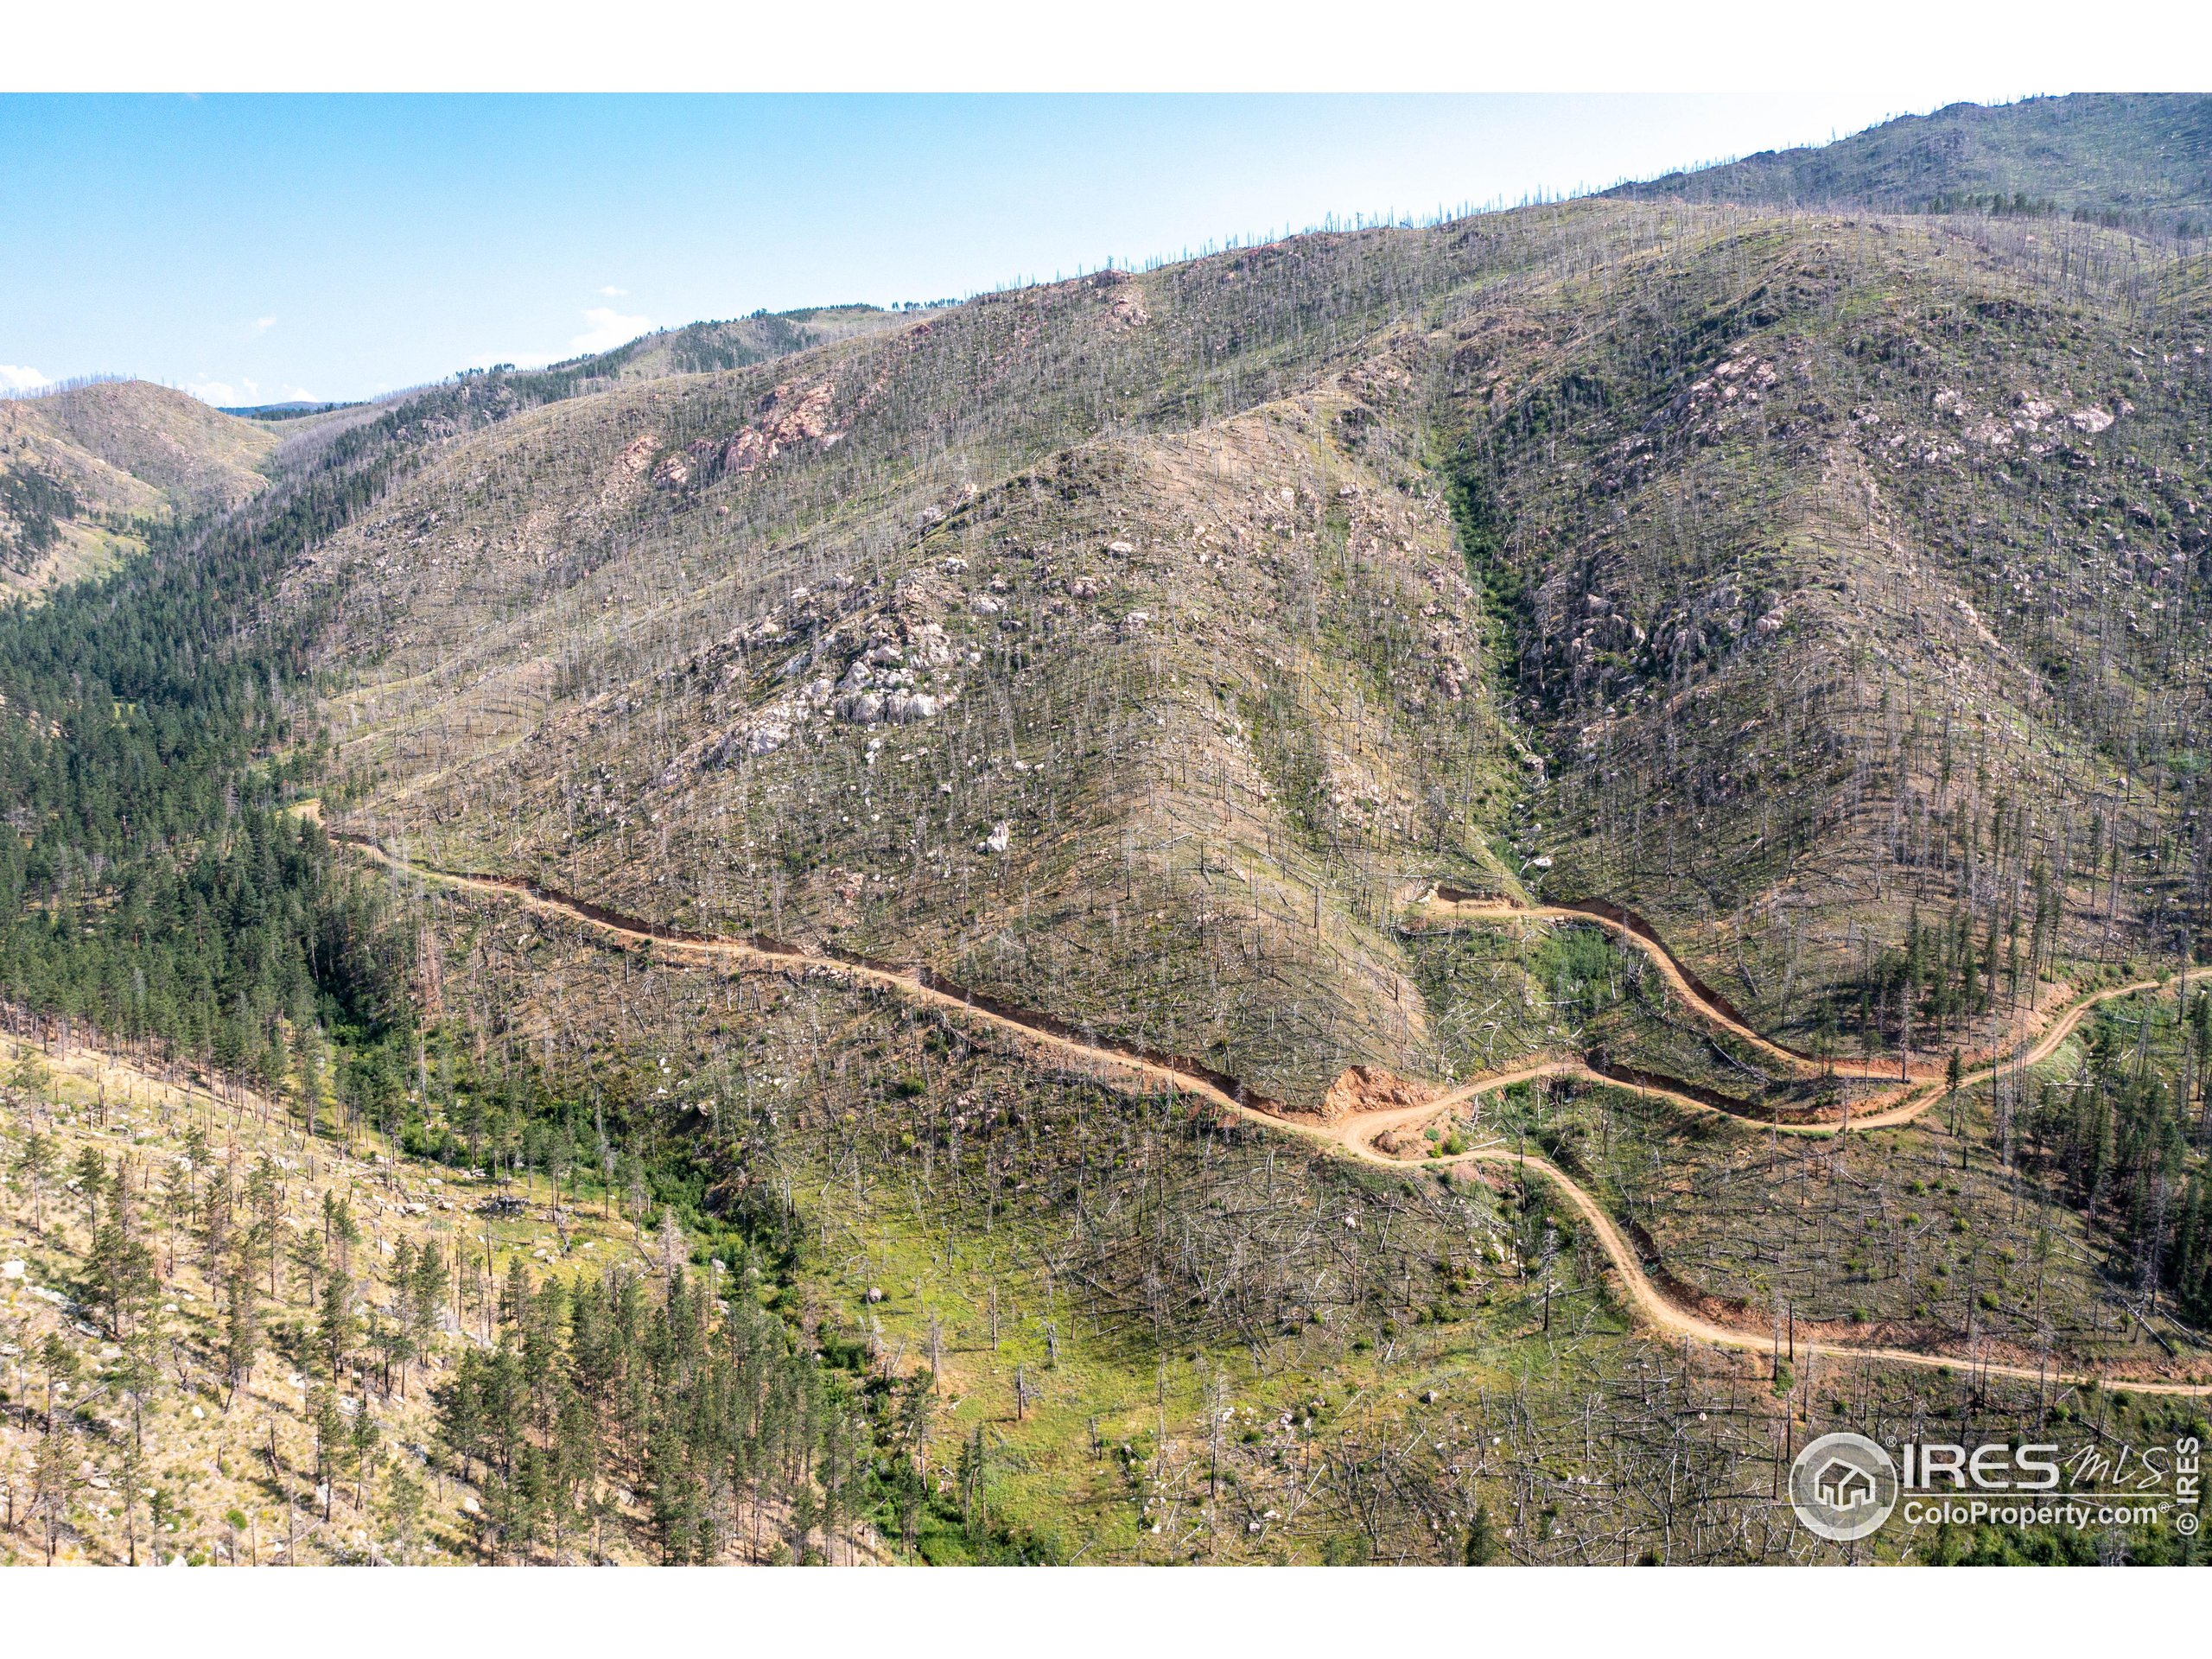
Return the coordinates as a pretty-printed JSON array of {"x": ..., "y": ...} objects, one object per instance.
[{"x": 258, "y": 248}]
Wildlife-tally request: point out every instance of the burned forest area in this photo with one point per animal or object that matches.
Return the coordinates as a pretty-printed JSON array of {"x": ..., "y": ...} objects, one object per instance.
[{"x": 1421, "y": 894}]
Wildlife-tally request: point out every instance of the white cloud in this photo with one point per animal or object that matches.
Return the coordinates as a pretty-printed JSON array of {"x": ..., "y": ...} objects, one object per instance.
[
  {"x": 16, "y": 378},
  {"x": 263, "y": 325},
  {"x": 222, "y": 394},
  {"x": 613, "y": 293},
  {"x": 605, "y": 328}
]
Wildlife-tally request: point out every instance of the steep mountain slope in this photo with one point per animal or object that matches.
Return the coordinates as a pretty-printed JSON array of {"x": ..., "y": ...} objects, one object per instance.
[
  {"x": 1029, "y": 713},
  {"x": 81, "y": 469},
  {"x": 1107, "y": 646},
  {"x": 2139, "y": 158},
  {"x": 1882, "y": 593}
]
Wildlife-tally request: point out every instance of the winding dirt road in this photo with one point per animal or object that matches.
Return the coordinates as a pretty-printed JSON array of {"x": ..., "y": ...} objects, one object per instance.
[
  {"x": 1354, "y": 1134},
  {"x": 1920, "y": 1088}
]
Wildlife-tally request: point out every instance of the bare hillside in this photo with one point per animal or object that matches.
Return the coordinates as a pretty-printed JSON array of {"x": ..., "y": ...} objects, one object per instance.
[{"x": 1165, "y": 619}]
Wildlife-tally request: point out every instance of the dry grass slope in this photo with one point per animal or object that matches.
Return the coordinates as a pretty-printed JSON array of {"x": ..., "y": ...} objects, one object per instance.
[{"x": 82, "y": 470}]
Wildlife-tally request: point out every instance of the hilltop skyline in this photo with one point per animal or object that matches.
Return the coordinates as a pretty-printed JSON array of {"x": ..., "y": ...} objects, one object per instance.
[{"x": 337, "y": 248}]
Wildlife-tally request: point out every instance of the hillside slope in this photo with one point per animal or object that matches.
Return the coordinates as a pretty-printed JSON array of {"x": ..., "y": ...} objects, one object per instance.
[
  {"x": 2138, "y": 158},
  {"x": 1109, "y": 646},
  {"x": 81, "y": 470},
  {"x": 1859, "y": 570},
  {"x": 729, "y": 658}
]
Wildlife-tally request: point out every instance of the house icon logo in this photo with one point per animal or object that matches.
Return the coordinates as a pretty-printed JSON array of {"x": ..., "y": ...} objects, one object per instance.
[{"x": 1843, "y": 1487}]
